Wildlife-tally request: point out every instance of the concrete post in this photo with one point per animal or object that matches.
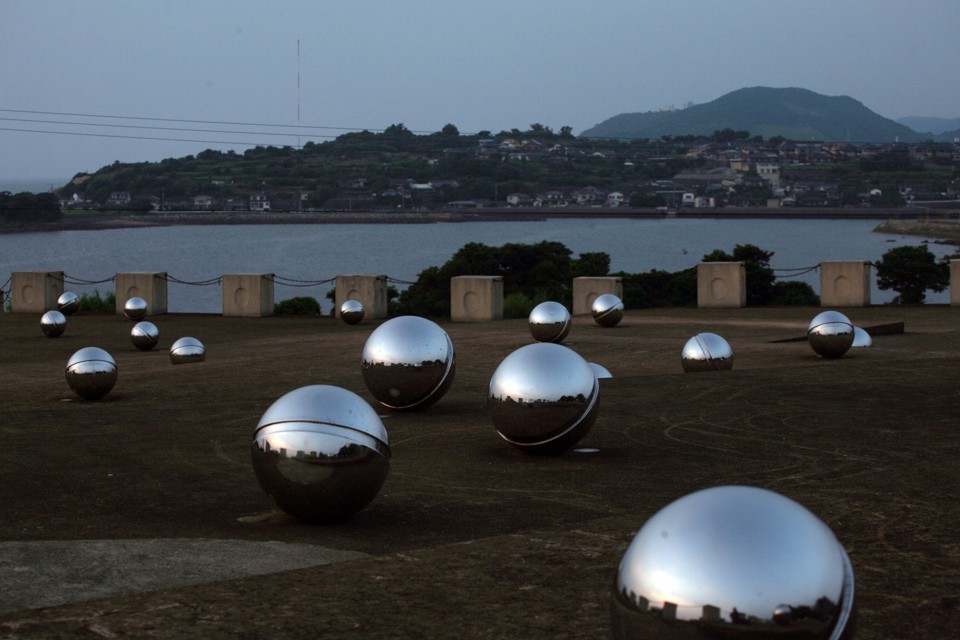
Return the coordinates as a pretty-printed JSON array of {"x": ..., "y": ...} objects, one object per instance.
[
  {"x": 721, "y": 284},
  {"x": 248, "y": 295},
  {"x": 955, "y": 283},
  {"x": 844, "y": 283},
  {"x": 371, "y": 291},
  {"x": 588, "y": 289},
  {"x": 35, "y": 291},
  {"x": 476, "y": 298},
  {"x": 149, "y": 285}
]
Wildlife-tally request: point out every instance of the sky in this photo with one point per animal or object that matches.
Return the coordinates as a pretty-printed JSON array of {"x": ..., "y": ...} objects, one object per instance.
[{"x": 305, "y": 70}]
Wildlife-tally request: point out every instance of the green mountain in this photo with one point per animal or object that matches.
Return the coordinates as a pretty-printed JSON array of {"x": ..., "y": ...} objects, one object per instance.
[
  {"x": 796, "y": 114},
  {"x": 935, "y": 126}
]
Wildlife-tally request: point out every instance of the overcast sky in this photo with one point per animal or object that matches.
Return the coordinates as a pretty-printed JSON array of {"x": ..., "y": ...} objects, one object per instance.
[{"x": 480, "y": 65}]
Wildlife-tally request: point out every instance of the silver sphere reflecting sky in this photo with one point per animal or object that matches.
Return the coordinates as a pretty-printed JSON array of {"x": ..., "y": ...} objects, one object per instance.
[
  {"x": 706, "y": 352},
  {"x": 91, "y": 372},
  {"x": 68, "y": 303},
  {"x": 53, "y": 324},
  {"x": 352, "y": 311},
  {"x": 734, "y": 562},
  {"x": 549, "y": 322},
  {"x": 145, "y": 335},
  {"x": 607, "y": 310},
  {"x": 543, "y": 398},
  {"x": 861, "y": 338},
  {"x": 321, "y": 452},
  {"x": 187, "y": 350},
  {"x": 135, "y": 308},
  {"x": 408, "y": 363},
  {"x": 830, "y": 334}
]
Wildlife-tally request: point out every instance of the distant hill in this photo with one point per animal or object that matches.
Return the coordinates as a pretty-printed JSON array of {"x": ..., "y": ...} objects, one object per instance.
[
  {"x": 796, "y": 114},
  {"x": 935, "y": 126}
]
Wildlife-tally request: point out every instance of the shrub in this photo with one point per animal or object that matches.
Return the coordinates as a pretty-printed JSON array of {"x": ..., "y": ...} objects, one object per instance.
[
  {"x": 910, "y": 271},
  {"x": 94, "y": 303},
  {"x": 299, "y": 306}
]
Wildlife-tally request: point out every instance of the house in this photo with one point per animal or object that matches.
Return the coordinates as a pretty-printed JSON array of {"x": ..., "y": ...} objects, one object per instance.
[
  {"x": 259, "y": 202},
  {"x": 519, "y": 200},
  {"x": 202, "y": 203},
  {"x": 615, "y": 199},
  {"x": 119, "y": 198}
]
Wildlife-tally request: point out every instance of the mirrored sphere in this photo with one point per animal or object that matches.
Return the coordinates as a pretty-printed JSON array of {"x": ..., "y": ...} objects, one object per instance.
[
  {"x": 187, "y": 350},
  {"x": 68, "y": 303},
  {"x": 321, "y": 452},
  {"x": 734, "y": 562},
  {"x": 408, "y": 363},
  {"x": 830, "y": 334},
  {"x": 861, "y": 338},
  {"x": 91, "y": 372},
  {"x": 600, "y": 371},
  {"x": 607, "y": 310},
  {"x": 706, "y": 352},
  {"x": 135, "y": 308},
  {"x": 53, "y": 324},
  {"x": 352, "y": 311},
  {"x": 543, "y": 398},
  {"x": 549, "y": 322},
  {"x": 145, "y": 335}
]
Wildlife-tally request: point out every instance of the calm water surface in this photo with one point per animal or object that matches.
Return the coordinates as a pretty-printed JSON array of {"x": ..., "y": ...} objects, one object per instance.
[{"x": 401, "y": 251}]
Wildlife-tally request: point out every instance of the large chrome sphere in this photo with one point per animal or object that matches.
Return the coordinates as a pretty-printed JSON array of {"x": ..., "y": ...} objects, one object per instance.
[
  {"x": 91, "y": 372},
  {"x": 734, "y": 562},
  {"x": 187, "y": 350},
  {"x": 68, "y": 303},
  {"x": 830, "y": 334},
  {"x": 861, "y": 338},
  {"x": 53, "y": 324},
  {"x": 145, "y": 335},
  {"x": 549, "y": 322},
  {"x": 408, "y": 363},
  {"x": 543, "y": 398},
  {"x": 352, "y": 311},
  {"x": 607, "y": 310},
  {"x": 321, "y": 452},
  {"x": 135, "y": 309},
  {"x": 706, "y": 352}
]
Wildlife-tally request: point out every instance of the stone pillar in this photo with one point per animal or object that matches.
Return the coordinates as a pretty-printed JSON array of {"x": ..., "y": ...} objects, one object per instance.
[
  {"x": 955, "y": 283},
  {"x": 149, "y": 285},
  {"x": 476, "y": 298},
  {"x": 35, "y": 291},
  {"x": 371, "y": 291},
  {"x": 721, "y": 284},
  {"x": 588, "y": 289},
  {"x": 248, "y": 295},
  {"x": 844, "y": 283}
]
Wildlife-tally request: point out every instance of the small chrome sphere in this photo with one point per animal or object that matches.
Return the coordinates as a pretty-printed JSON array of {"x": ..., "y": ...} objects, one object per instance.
[
  {"x": 607, "y": 310},
  {"x": 187, "y": 350},
  {"x": 91, "y": 372},
  {"x": 549, "y": 322},
  {"x": 135, "y": 309},
  {"x": 543, "y": 398},
  {"x": 321, "y": 452},
  {"x": 734, "y": 562},
  {"x": 861, "y": 338},
  {"x": 408, "y": 363},
  {"x": 830, "y": 334},
  {"x": 53, "y": 324},
  {"x": 68, "y": 303},
  {"x": 352, "y": 311},
  {"x": 706, "y": 352},
  {"x": 145, "y": 335}
]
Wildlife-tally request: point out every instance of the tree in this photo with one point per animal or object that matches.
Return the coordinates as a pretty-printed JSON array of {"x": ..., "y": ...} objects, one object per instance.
[
  {"x": 450, "y": 130},
  {"x": 910, "y": 271}
]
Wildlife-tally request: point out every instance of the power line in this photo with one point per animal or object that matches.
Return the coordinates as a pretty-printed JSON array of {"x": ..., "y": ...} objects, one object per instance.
[
  {"x": 155, "y": 128},
  {"x": 126, "y": 137}
]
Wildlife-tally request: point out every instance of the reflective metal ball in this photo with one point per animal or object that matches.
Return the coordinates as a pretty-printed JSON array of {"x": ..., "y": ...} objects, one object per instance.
[
  {"x": 145, "y": 335},
  {"x": 734, "y": 562},
  {"x": 68, "y": 303},
  {"x": 543, "y": 398},
  {"x": 607, "y": 310},
  {"x": 861, "y": 338},
  {"x": 187, "y": 350},
  {"x": 91, "y": 372},
  {"x": 408, "y": 363},
  {"x": 321, "y": 452},
  {"x": 706, "y": 352},
  {"x": 830, "y": 334},
  {"x": 549, "y": 322},
  {"x": 135, "y": 308},
  {"x": 352, "y": 311},
  {"x": 53, "y": 324}
]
